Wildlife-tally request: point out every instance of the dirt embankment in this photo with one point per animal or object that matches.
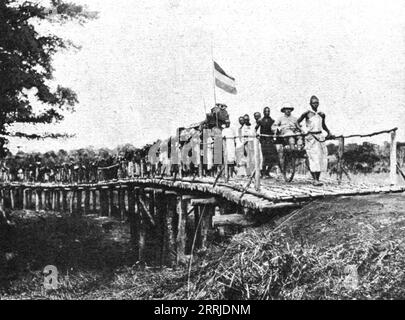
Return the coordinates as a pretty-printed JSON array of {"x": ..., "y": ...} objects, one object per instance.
[{"x": 332, "y": 249}]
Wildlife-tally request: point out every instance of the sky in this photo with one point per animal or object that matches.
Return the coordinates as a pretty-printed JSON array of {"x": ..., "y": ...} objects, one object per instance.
[{"x": 145, "y": 67}]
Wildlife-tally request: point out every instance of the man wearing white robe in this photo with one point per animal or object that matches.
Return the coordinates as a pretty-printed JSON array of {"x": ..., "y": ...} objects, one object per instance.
[
  {"x": 229, "y": 143},
  {"x": 315, "y": 145}
]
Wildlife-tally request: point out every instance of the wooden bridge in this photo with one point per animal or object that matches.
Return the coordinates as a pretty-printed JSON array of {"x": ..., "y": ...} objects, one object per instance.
[{"x": 169, "y": 216}]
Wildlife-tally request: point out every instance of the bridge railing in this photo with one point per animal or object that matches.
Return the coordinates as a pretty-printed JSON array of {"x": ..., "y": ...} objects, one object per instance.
[{"x": 203, "y": 161}]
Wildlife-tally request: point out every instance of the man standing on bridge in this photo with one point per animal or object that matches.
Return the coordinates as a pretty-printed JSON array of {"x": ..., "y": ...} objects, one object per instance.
[
  {"x": 315, "y": 141},
  {"x": 269, "y": 151}
]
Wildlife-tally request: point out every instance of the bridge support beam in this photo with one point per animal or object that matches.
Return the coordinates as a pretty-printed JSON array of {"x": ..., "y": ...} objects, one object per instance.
[
  {"x": 63, "y": 194},
  {"x": 79, "y": 200},
  {"x": 121, "y": 201},
  {"x": 104, "y": 202},
  {"x": 86, "y": 201},
  {"x": 12, "y": 198},
  {"x": 71, "y": 196},
  {"x": 37, "y": 199},
  {"x": 142, "y": 228},
  {"x": 169, "y": 240},
  {"x": 159, "y": 208},
  {"x": 94, "y": 207},
  {"x": 181, "y": 211},
  {"x": 25, "y": 199},
  {"x": 133, "y": 218},
  {"x": 110, "y": 201}
]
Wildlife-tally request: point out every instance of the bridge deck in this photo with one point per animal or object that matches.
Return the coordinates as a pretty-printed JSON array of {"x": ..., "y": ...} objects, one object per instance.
[{"x": 274, "y": 193}]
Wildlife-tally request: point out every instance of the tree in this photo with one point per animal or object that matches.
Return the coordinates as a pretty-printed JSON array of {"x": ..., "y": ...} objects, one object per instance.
[
  {"x": 361, "y": 158},
  {"x": 26, "y": 66}
]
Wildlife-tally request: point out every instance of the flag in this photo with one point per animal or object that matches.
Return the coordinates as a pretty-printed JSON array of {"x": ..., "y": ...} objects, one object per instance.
[{"x": 224, "y": 81}]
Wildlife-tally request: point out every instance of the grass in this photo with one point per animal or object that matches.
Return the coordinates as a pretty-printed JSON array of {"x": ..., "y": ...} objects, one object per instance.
[{"x": 346, "y": 248}]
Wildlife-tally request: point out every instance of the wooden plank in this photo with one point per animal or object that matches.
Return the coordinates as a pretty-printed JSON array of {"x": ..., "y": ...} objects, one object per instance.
[
  {"x": 202, "y": 201},
  {"x": 235, "y": 219}
]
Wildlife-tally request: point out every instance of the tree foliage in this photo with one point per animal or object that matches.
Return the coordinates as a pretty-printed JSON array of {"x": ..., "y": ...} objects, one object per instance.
[{"x": 26, "y": 65}]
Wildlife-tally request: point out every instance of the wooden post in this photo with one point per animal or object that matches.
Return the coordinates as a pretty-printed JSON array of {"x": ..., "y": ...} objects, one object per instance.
[
  {"x": 340, "y": 158},
  {"x": 160, "y": 218},
  {"x": 200, "y": 163},
  {"x": 87, "y": 201},
  {"x": 181, "y": 229},
  {"x": 206, "y": 224},
  {"x": 393, "y": 158},
  {"x": 121, "y": 201},
  {"x": 2, "y": 194},
  {"x": 141, "y": 167},
  {"x": 25, "y": 199},
  {"x": 79, "y": 199},
  {"x": 20, "y": 197},
  {"x": 43, "y": 199},
  {"x": 219, "y": 211},
  {"x": 31, "y": 201},
  {"x": 64, "y": 200},
  {"x": 58, "y": 200},
  {"x": 133, "y": 219},
  {"x": 169, "y": 234},
  {"x": 256, "y": 147},
  {"x": 49, "y": 199},
  {"x": 12, "y": 198},
  {"x": 104, "y": 201},
  {"x": 225, "y": 158},
  {"x": 71, "y": 194},
  {"x": 55, "y": 199},
  {"x": 37, "y": 199},
  {"x": 142, "y": 229},
  {"x": 110, "y": 201},
  {"x": 137, "y": 227},
  {"x": 94, "y": 200}
]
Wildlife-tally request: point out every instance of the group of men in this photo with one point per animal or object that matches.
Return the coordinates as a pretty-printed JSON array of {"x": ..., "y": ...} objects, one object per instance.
[{"x": 289, "y": 129}]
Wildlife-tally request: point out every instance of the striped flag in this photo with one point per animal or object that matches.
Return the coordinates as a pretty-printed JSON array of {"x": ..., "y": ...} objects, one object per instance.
[{"x": 224, "y": 81}]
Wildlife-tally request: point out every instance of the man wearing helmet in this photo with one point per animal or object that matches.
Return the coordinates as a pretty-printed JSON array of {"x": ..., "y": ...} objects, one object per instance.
[{"x": 287, "y": 125}]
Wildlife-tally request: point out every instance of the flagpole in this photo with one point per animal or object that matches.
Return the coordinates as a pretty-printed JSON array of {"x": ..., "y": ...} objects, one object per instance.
[
  {"x": 213, "y": 74},
  {"x": 213, "y": 81}
]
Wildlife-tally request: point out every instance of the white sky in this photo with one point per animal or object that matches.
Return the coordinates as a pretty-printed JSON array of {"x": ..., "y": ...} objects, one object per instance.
[{"x": 145, "y": 66}]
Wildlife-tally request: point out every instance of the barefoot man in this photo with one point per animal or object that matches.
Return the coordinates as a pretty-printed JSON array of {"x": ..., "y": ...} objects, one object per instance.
[{"x": 315, "y": 142}]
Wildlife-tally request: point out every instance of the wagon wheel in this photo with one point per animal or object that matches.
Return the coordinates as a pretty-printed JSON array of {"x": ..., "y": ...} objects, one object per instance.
[{"x": 289, "y": 165}]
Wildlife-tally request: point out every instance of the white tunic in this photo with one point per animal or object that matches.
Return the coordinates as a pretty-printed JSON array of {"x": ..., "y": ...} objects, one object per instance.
[
  {"x": 230, "y": 144},
  {"x": 315, "y": 143}
]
